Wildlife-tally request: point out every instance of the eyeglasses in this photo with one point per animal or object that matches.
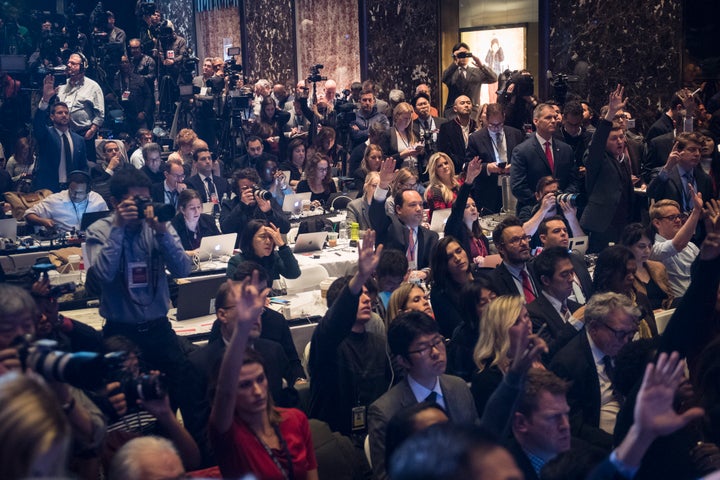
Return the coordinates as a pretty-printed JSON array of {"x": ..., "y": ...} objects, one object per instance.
[
  {"x": 621, "y": 334},
  {"x": 518, "y": 240},
  {"x": 437, "y": 343},
  {"x": 672, "y": 218},
  {"x": 496, "y": 126},
  {"x": 178, "y": 176}
]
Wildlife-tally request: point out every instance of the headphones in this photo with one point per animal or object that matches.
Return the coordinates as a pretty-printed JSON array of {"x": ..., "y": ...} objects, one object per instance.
[
  {"x": 85, "y": 175},
  {"x": 83, "y": 61}
]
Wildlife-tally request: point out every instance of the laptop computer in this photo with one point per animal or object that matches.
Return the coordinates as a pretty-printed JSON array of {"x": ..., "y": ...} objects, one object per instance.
[
  {"x": 196, "y": 296},
  {"x": 309, "y": 242},
  {"x": 293, "y": 202},
  {"x": 439, "y": 219},
  {"x": 578, "y": 245},
  {"x": 89, "y": 218},
  {"x": 208, "y": 208},
  {"x": 217, "y": 246},
  {"x": 8, "y": 228}
]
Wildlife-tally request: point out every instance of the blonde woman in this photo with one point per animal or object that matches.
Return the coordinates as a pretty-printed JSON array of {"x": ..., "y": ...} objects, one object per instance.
[
  {"x": 443, "y": 187},
  {"x": 34, "y": 431},
  {"x": 504, "y": 314},
  {"x": 403, "y": 141},
  {"x": 407, "y": 297}
]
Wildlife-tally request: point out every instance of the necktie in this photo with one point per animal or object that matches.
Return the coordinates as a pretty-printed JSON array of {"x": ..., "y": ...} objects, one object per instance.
[
  {"x": 500, "y": 147},
  {"x": 687, "y": 198},
  {"x": 432, "y": 398},
  {"x": 173, "y": 198},
  {"x": 548, "y": 154},
  {"x": 411, "y": 246},
  {"x": 565, "y": 312},
  {"x": 211, "y": 193},
  {"x": 527, "y": 287},
  {"x": 609, "y": 368},
  {"x": 67, "y": 161},
  {"x": 464, "y": 72}
]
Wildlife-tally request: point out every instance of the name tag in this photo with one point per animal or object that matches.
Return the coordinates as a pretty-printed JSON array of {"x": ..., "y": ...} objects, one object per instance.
[{"x": 137, "y": 275}]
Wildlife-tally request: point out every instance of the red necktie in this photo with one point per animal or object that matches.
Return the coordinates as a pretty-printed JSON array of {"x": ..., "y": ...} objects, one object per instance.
[
  {"x": 549, "y": 156},
  {"x": 527, "y": 287},
  {"x": 411, "y": 246}
]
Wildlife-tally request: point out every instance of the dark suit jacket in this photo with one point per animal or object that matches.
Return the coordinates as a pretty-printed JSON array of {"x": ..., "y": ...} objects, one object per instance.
[
  {"x": 221, "y": 185},
  {"x": 581, "y": 270},
  {"x": 504, "y": 283},
  {"x": 49, "y": 146},
  {"x": 656, "y": 154},
  {"x": 393, "y": 234},
  {"x": 558, "y": 333},
  {"x": 603, "y": 183},
  {"x": 157, "y": 192},
  {"x": 521, "y": 459},
  {"x": 529, "y": 164},
  {"x": 451, "y": 141},
  {"x": 458, "y": 402},
  {"x": 486, "y": 191},
  {"x": 672, "y": 187},
  {"x": 466, "y": 85},
  {"x": 574, "y": 362}
]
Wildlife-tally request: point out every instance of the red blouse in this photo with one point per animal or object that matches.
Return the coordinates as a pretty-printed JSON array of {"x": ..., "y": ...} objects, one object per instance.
[{"x": 240, "y": 452}]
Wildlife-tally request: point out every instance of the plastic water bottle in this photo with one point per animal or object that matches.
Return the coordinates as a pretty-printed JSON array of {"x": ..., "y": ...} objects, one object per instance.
[{"x": 343, "y": 233}]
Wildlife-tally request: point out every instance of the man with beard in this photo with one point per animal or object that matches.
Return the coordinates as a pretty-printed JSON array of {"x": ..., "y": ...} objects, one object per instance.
[{"x": 513, "y": 276}]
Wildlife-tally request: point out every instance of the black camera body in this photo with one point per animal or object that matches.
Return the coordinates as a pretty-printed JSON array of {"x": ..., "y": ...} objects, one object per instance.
[
  {"x": 41, "y": 268},
  {"x": 315, "y": 74},
  {"x": 145, "y": 386},
  {"x": 463, "y": 55},
  {"x": 163, "y": 211}
]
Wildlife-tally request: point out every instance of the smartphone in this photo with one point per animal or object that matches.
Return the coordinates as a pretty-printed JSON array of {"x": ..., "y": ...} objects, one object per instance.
[{"x": 502, "y": 164}]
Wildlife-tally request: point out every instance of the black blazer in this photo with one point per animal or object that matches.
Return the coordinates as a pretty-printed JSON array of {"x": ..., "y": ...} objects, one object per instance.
[
  {"x": 486, "y": 191},
  {"x": 558, "y": 333},
  {"x": 450, "y": 141},
  {"x": 581, "y": 270},
  {"x": 197, "y": 184},
  {"x": 656, "y": 154},
  {"x": 575, "y": 363},
  {"x": 672, "y": 187},
  {"x": 392, "y": 233},
  {"x": 206, "y": 227},
  {"x": 529, "y": 164},
  {"x": 49, "y": 147},
  {"x": 504, "y": 283}
]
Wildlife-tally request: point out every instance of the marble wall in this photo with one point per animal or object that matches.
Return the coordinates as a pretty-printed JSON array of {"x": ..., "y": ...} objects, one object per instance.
[
  {"x": 269, "y": 40},
  {"x": 180, "y": 13},
  {"x": 213, "y": 26},
  {"x": 328, "y": 33},
  {"x": 608, "y": 42},
  {"x": 403, "y": 44}
]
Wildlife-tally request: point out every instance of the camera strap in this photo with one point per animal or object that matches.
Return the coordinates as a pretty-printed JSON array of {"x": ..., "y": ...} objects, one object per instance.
[{"x": 287, "y": 474}]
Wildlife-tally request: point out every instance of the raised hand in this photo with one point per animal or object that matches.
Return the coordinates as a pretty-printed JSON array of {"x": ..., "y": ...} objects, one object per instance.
[
  {"x": 654, "y": 412},
  {"x": 615, "y": 102},
  {"x": 49, "y": 89},
  {"x": 368, "y": 255},
  {"x": 712, "y": 215},
  {"x": 525, "y": 349},
  {"x": 473, "y": 170},
  {"x": 248, "y": 300},
  {"x": 387, "y": 173}
]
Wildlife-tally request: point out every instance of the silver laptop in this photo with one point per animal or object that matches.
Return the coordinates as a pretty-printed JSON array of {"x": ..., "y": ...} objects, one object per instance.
[
  {"x": 439, "y": 219},
  {"x": 578, "y": 245},
  {"x": 293, "y": 202},
  {"x": 208, "y": 208},
  {"x": 8, "y": 228},
  {"x": 217, "y": 246},
  {"x": 309, "y": 242},
  {"x": 196, "y": 297}
]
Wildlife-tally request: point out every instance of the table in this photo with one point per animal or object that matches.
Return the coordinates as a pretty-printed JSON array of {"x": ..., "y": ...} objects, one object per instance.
[{"x": 338, "y": 261}]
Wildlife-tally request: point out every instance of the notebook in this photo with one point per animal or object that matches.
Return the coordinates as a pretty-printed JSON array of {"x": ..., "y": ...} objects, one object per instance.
[
  {"x": 309, "y": 242},
  {"x": 196, "y": 296},
  {"x": 217, "y": 246}
]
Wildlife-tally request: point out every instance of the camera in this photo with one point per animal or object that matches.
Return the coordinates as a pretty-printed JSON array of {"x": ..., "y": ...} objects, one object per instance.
[
  {"x": 315, "y": 74},
  {"x": 41, "y": 268},
  {"x": 145, "y": 386},
  {"x": 569, "y": 198},
  {"x": 163, "y": 211},
  {"x": 260, "y": 193},
  {"x": 463, "y": 55},
  {"x": 85, "y": 370}
]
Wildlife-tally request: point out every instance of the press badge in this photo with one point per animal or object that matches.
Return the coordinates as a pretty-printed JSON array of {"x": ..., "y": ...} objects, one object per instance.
[
  {"x": 358, "y": 418},
  {"x": 170, "y": 55},
  {"x": 137, "y": 275},
  {"x": 204, "y": 91},
  {"x": 126, "y": 95}
]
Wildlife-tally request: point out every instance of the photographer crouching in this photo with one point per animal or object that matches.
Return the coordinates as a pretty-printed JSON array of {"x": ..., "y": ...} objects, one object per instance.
[
  {"x": 24, "y": 455},
  {"x": 128, "y": 254}
]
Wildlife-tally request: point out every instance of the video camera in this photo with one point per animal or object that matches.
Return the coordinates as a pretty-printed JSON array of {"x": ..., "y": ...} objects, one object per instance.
[
  {"x": 315, "y": 74},
  {"x": 524, "y": 85},
  {"x": 163, "y": 211}
]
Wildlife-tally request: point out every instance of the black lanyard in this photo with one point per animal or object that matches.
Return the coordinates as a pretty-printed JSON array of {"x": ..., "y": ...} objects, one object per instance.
[{"x": 287, "y": 475}]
